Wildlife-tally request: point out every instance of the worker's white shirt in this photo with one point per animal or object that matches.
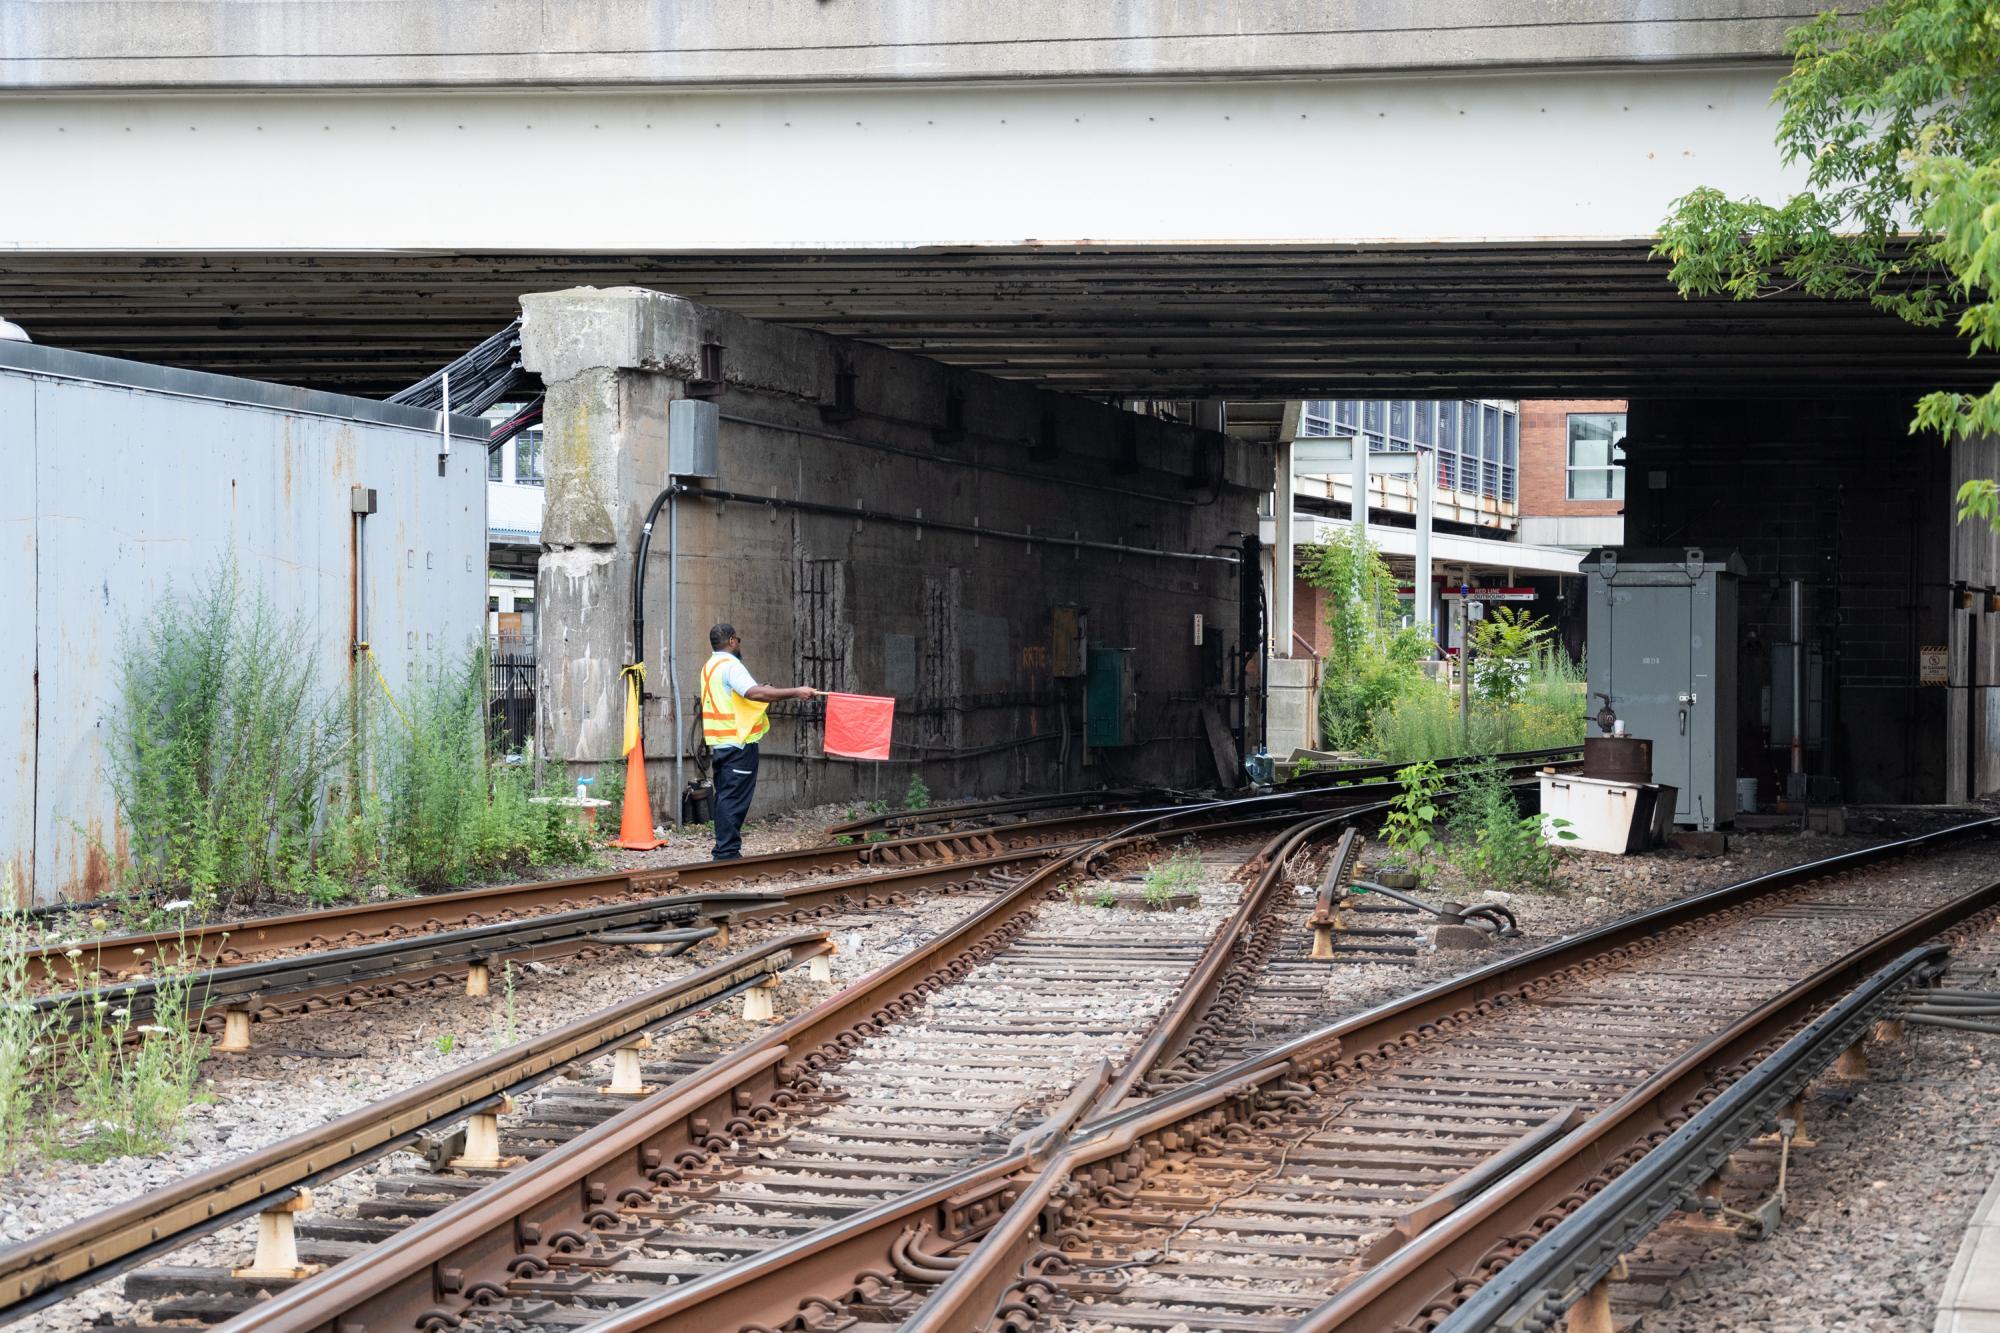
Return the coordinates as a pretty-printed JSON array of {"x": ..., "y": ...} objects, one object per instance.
[{"x": 731, "y": 679}]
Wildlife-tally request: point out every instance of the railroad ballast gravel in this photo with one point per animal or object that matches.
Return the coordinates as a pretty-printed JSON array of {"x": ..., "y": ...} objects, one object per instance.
[{"x": 269, "y": 1094}]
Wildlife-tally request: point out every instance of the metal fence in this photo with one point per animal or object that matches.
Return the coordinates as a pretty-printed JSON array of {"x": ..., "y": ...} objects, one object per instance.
[{"x": 510, "y": 698}]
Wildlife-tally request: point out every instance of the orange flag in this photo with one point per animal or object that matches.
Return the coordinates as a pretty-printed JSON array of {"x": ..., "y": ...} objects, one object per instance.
[{"x": 857, "y": 725}]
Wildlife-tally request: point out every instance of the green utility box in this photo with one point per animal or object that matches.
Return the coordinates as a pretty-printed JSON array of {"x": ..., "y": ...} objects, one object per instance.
[{"x": 1110, "y": 702}]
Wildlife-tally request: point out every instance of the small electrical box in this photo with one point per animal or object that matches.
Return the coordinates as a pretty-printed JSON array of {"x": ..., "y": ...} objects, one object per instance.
[
  {"x": 361, "y": 499},
  {"x": 1066, "y": 642},
  {"x": 1111, "y": 700},
  {"x": 694, "y": 427}
]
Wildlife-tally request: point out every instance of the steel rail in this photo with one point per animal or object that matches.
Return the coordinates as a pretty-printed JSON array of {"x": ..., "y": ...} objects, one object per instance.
[
  {"x": 545, "y": 1210},
  {"x": 1199, "y": 995},
  {"x": 1532, "y": 1292},
  {"x": 310, "y": 983},
  {"x": 50, "y": 1267},
  {"x": 225, "y": 942},
  {"x": 1128, "y": 797},
  {"x": 1104, "y": 798},
  {"x": 1516, "y": 761},
  {"x": 979, "y": 1286},
  {"x": 956, "y": 1209}
]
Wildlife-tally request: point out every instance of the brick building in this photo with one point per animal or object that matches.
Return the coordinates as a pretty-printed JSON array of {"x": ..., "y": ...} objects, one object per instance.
[{"x": 1572, "y": 477}]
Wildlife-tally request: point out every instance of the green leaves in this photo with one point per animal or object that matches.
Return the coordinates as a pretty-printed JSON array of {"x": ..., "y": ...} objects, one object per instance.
[
  {"x": 1505, "y": 645},
  {"x": 1408, "y": 826},
  {"x": 1371, "y": 658},
  {"x": 1896, "y": 112}
]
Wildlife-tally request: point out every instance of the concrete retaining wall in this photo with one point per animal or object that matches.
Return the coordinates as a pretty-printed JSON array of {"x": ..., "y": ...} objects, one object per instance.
[
  {"x": 120, "y": 480},
  {"x": 943, "y": 592}
]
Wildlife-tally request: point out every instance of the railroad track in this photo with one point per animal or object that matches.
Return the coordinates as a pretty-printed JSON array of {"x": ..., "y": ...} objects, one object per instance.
[
  {"x": 1284, "y": 1191},
  {"x": 229, "y": 943},
  {"x": 44, "y": 1270},
  {"x": 1618, "y": 1245},
  {"x": 964, "y": 816},
  {"x": 235, "y": 1000},
  {"x": 280, "y": 968},
  {"x": 1250, "y": 1196},
  {"x": 970, "y": 815},
  {"x": 998, "y": 958}
]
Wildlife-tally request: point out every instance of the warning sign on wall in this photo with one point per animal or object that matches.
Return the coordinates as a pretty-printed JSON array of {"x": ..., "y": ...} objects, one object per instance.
[{"x": 1930, "y": 664}]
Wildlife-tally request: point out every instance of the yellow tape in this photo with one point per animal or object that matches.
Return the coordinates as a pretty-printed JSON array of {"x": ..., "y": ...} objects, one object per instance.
[
  {"x": 635, "y": 679},
  {"x": 386, "y": 693}
]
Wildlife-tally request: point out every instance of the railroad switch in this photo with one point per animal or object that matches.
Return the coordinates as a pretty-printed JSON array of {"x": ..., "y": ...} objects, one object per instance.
[
  {"x": 277, "y": 1256},
  {"x": 627, "y": 1078}
]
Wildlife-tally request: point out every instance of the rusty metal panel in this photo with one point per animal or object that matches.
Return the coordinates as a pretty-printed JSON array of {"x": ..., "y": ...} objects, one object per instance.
[
  {"x": 17, "y": 647},
  {"x": 136, "y": 491}
]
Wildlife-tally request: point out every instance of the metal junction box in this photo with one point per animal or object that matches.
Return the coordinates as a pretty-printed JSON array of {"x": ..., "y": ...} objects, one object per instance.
[
  {"x": 1110, "y": 700},
  {"x": 1662, "y": 640},
  {"x": 694, "y": 426}
]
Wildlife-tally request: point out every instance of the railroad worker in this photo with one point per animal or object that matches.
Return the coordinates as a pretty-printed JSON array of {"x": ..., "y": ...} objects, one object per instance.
[{"x": 733, "y": 705}]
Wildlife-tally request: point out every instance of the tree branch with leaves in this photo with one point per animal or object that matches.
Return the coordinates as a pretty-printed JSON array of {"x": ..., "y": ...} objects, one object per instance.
[{"x": 1895, "y": 112}]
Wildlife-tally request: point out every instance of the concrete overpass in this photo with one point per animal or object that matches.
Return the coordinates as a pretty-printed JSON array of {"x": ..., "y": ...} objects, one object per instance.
[
  {"x": 1154, "y": 199},
  {"x": 1163, "y": 199}
]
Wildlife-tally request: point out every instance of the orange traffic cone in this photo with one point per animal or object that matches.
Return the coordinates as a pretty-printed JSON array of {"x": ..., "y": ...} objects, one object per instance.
[{"x": 635, "y": 826}]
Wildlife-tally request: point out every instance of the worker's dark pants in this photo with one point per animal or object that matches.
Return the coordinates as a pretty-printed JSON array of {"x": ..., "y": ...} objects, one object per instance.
[{"x": 735, "y": 783}]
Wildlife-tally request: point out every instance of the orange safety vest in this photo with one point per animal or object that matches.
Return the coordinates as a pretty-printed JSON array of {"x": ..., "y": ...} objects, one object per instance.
[{"x": 744, "y": 724}]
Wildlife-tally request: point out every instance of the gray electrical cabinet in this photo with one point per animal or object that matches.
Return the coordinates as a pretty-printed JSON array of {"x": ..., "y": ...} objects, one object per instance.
[{"x": 1662, "y": 648}]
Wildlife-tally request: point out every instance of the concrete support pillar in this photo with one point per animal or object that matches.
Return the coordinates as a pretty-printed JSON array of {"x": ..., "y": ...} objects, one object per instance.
[
  {"x": 1283, "y": 565},
  {"x": 611, "y": 360},
  {"x": 1359, "y": 482},
  {"x": 1420, "y": 579}
]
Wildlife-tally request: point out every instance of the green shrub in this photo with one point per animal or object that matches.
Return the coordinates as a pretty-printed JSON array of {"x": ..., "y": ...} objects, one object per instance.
[
  {"x": 1492, "y": 842},
  {"x": 1371, "y": 659},
  {"x": 1182, "y": 873},
  {"x": 1547, "y": 712},
  {"x": 1504, "y": 647},
  {"x": 1408, "y": 827},
  {"x": 25, "y": 1035},
  {"x": 131, "y": 1086},
  {"x": 235, "y": 771},
  {"x": 918, "y": 795},
  {"x": 221, "y": 744}
]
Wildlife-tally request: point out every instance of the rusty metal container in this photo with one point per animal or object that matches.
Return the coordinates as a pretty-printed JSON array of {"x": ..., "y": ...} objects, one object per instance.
[{"x": 1618, "y": 758}]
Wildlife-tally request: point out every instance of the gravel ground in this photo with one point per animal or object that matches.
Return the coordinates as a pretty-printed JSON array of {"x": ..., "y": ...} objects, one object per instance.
[
  {"x": 1590, "y": 889},
  {"x": 787, "y": 832},
  {"x": 283, "y": 1089},
  {"x": 309, "y": 1071},
  {"x": 272, "y": 1093},
  {"x": 1877, "y": 1209}
]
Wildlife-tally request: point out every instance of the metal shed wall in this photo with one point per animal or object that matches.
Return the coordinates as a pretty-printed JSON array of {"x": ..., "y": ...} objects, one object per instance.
[{"x": 119, "y": 480}]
